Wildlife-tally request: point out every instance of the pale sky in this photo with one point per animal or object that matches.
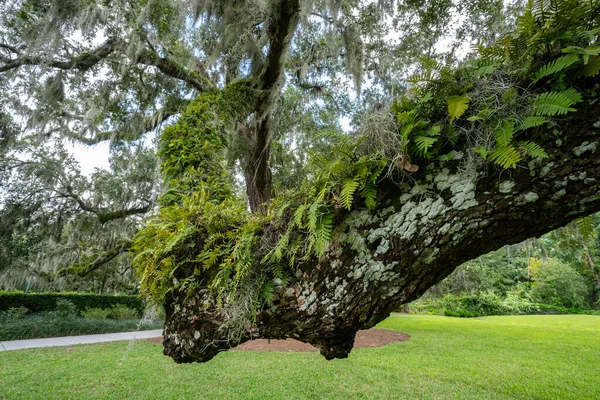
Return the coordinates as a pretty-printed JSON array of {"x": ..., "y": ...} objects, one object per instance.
[{"x": 91, "y": 157}]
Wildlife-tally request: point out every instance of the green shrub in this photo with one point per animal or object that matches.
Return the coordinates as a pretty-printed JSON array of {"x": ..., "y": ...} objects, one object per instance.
[
  {"x": 558, "y": 283},
  {"x": 460, "y": 314},
  {"x": 117, "y": 313},
  {"x": 14, "y": 313},
  {"x": 95, "y": 313},
  {"x": 38, "y": 302},
  {"x": 120, "y": 312},
  {"x": 65, "y": 309},
  {"x": 480, "y": 304}
]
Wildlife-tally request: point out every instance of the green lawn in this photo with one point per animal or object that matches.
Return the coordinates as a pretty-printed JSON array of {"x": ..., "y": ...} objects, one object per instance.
[{"x": 541, "y": 357}]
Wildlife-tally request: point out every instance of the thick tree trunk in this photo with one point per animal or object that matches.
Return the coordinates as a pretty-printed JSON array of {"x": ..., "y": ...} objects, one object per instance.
[
  {"x": 418, "y": 235},
  {"x": 257, "y": 174},
  {"x": 282, "y": 24}
]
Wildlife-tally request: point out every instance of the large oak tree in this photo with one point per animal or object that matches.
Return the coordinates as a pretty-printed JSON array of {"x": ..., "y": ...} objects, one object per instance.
[{"x": 334, "y": 228}]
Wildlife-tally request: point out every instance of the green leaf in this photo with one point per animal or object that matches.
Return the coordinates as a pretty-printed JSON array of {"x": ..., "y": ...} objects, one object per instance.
[
  {"x": 555, "y": 66},
  {"x": 572, "y": 95},
  {"x": 487, "y": 69},
  {"x": 504, "y": 133},
  {"x": 324, "y": 232},
  {"x": 482, "y": 151},
  {"x": 553, "y": 103},
  {"x": 348, "y": 189},
  {"x": 588, "y": 51},
  {"x": 457, "y": 105},
  {"x": 299, "y": 215},
  {"x": 434, "y": 130},
  {"x": 369, "y": 194},
  {"x": 505, "y": 156},
  {"x": 531, "y": 122},
  {"x": 314, "y": 215},
  {"x": 533, "y": 149},
  {"x": 423, "y": 144},
  {"x": 592, "y": 68},
  {"x": 585, "y": 226},
  {"x": 427, "y": 97}
]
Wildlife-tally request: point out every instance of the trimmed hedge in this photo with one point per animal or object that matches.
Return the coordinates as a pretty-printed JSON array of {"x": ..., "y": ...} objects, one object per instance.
[
  {"x": 38, "y": 302},
  {"x": 43, "y": 325},
  {"x": 488, "y": 303}
]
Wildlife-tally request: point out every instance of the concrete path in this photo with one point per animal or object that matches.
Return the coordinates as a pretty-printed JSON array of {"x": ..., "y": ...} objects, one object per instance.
[{"x": 70, "y": 340}]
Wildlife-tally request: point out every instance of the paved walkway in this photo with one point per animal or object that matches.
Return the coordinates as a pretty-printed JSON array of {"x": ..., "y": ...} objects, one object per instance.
[{"x": 70, "y": 340}]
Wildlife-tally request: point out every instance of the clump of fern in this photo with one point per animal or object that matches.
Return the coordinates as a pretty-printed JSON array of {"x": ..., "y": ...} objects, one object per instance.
[{"x": 495, "y": 99}]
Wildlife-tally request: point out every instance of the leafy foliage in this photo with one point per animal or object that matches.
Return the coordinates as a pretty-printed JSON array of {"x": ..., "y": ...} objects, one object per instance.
[
  {"x": 557, "y": 283},
  {"x": 457, "y": 105},
  {"x": 491, "y": 88}
]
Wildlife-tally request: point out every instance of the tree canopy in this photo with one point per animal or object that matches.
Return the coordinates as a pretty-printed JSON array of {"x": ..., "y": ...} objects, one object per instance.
[{"x": 323, "y": 162}]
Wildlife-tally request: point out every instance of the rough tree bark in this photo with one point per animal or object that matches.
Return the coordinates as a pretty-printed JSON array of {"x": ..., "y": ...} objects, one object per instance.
[{"x": 418, "y": 234}]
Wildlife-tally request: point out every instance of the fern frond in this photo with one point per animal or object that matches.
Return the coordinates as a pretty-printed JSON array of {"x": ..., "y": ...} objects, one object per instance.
[
  {"x": 347, "y": 194},
  {"x": 592, "y": 68},
  {"x": 572, "y": 95},
  {"x": 555, "y": 66},
  {"x": 541, "y": 11},
  {"x": 590, "y": 35},
  {"x": 423, "y": 144},
  {"x": 552, "y": 103},
  {"x": 531, "y": 122},
  {"x": 532, "y": 149},
  {"x": 407, "y": 117},
  {"x": 526, "y": 22},
  {"x": 211, "y": 257},
  {"x": 425, "y": 76},
  {"x": 504, "y": 133},
  {"x": 585, "y": 53},
  {"x": 457, "y": 105},
  {"x": 313, "y": 216},
  {"x": 369, "y": 194},
  {"x": 299, "y": 215},
  {"x": 517, "y": 48},
  {"x": 585, "y": 226},
  {"x": 323, "y": 234},
  {"x": 482, "y": 115},
  {"x": 505, "y": 156}
]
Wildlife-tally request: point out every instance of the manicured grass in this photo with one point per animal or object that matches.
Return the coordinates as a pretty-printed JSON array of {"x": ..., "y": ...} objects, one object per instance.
[{"x": 527, "y": 357}]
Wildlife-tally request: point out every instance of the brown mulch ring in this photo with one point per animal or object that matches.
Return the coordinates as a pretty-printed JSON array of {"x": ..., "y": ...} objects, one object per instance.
[{"x": 366, "y": 338}]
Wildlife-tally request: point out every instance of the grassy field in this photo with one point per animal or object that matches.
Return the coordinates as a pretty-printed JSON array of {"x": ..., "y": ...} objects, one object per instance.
[{"x": 527, "y": 357}]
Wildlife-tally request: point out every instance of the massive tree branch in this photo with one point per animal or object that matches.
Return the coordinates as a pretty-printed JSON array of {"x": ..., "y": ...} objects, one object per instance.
[
  {"x": 416, "y": 236},
  {"x": 173, "y": 69},
  {"x": 104, "y": 215},
  {"x": 87, "y": 60},
  {"x": 97, "y": 261},
  {"x": 131, "y": 130},
  {"x": 82, "y": 62}
]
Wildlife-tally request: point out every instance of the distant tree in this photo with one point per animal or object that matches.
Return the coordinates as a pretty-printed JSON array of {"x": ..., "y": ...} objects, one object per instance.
[
  {"x": 557, "y": 283},
  {"x": 493, "y": 272},
  {"x": 578, "y": 245},
  {"x": 58, "y": 227}
]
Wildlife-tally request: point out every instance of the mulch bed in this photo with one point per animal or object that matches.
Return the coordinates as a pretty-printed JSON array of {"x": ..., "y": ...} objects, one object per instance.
[{"x": 366, "y": 338}]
